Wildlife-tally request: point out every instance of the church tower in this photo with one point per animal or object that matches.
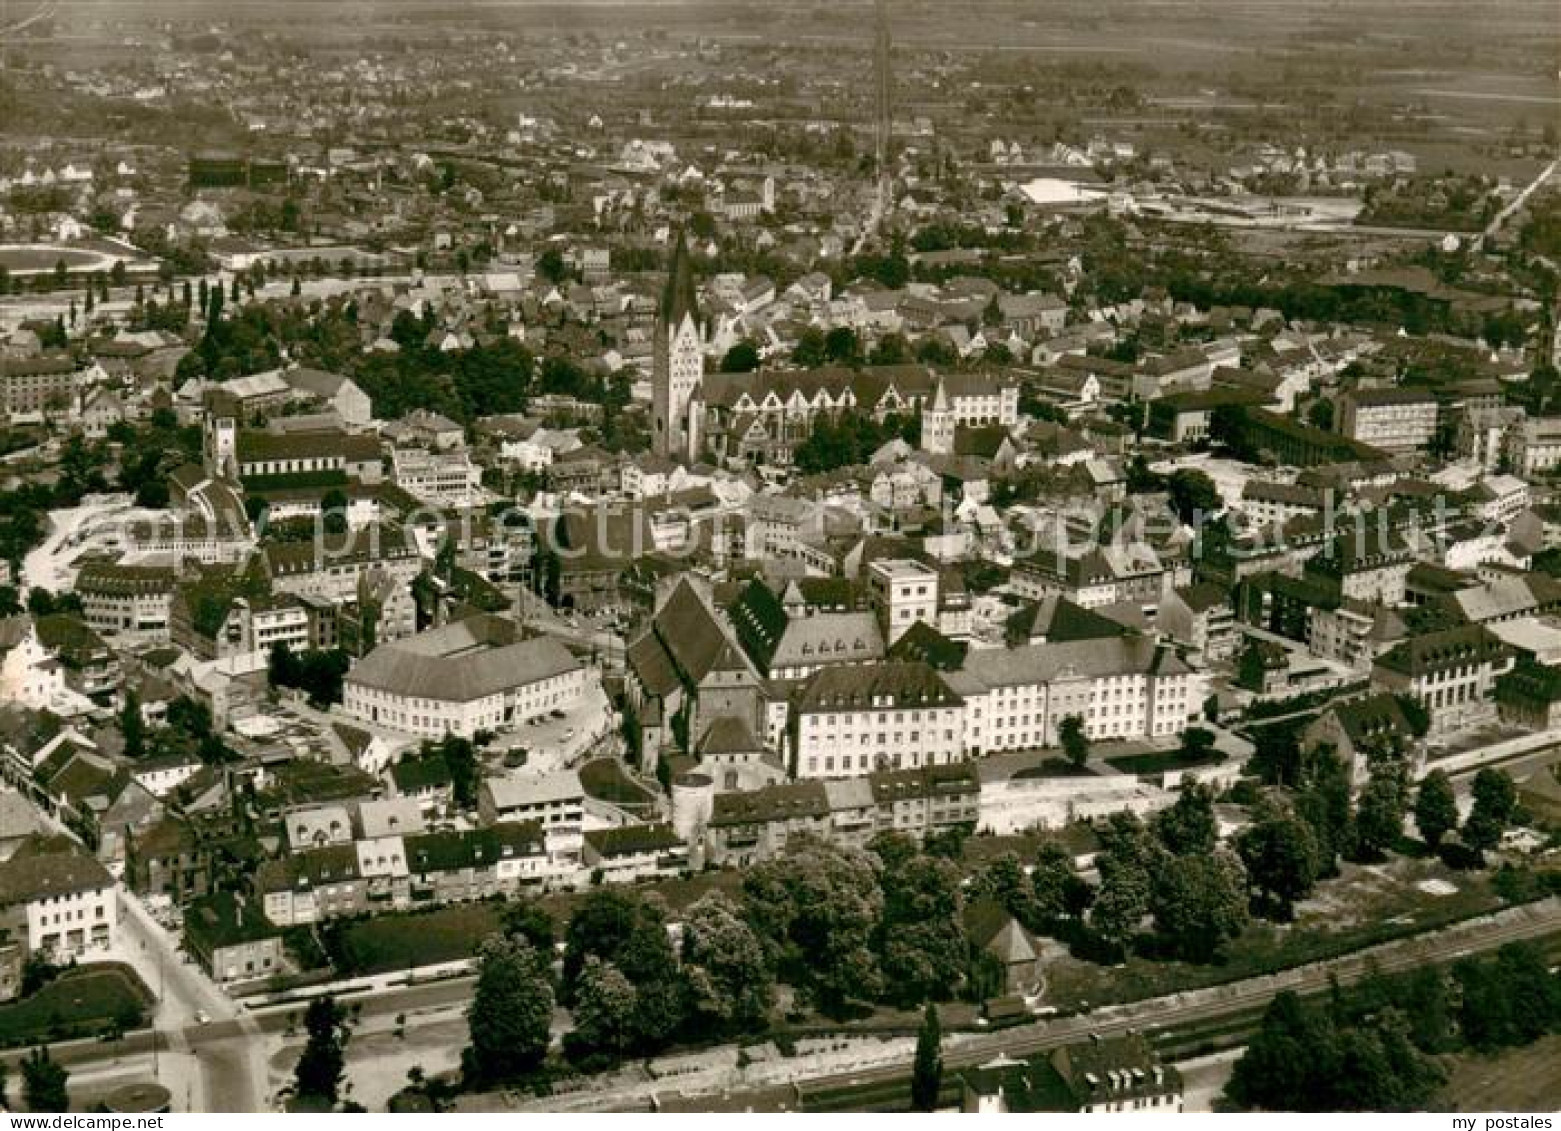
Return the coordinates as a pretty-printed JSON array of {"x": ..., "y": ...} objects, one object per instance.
[
  {"x": 679, "y": 362},
  {"x": 937, "y": 424}
]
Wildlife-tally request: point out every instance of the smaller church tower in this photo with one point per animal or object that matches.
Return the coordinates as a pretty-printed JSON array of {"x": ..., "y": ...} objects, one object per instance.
[
  {"x": 937, "y": 424},
  {"x": 221, "y": 447}
]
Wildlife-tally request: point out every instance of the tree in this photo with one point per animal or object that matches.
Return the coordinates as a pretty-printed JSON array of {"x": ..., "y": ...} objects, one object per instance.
[
  {"x": 604, "y": 1008},
  {"x": 460, "y": 756},
  {"x": 1129, "y": 858},
  {"x": 1004, "y": 881},
  {"x": 1120, "y": 905},
  {"x": 1509, "y": 1000},
  {"x": 1436, "y": 808},
  {"x": 526, "y": 920},
  {"x": 816, "y": 909},
  {"x": 1325, "y": 804},
  {"x": 319, "y": 1072},
  {"x": 741, "y": 358},
  {"x": 927, "y": 1069},
  {"x": 730, "y": 984},
  {"x": 1199, "y": 901},
  {"x": 629, "y": 931},
  {"x": 920, "y": 941},
  {"x": 333, "y": 508},
  {"x": 1280, "y": 852},
  {"x": 1379, "y": 817},
  {"x": 1302, "y": 1059},
  {"x": 511, "y": 1011},
  {"x": 1074, "y": 739},
  {"x": 1320, "y": 414},
  {"x": 891, "y": 349},
  {"x": 1495, "y": 801},
  {"x": 809, "y": 352},
  {"x": 133, "y": 726},
  {"x": 1059, "y": 892},
  {"x": 1193, "y": 495},
  {"x": 841, "y": 345},
  {"x": 551, "y": 266},
  {"x": 43, "y": 1082},
  {"x": 1188, "y": 827}
]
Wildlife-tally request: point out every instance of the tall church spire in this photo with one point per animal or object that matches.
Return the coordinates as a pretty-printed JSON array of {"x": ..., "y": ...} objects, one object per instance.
[
  {"x": 679, "y": 298},
  {"x": 678, "y": 362}
]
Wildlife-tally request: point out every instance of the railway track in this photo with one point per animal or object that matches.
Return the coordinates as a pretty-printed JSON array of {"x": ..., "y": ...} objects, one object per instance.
[{"x": 1187, "y": 1028}]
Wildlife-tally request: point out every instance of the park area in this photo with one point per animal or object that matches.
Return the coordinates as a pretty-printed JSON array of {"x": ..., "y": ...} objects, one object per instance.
[
  {"x": 405, "y": 940},
  {"x": 84, "y": 1002},
  {"x": 1366, "y": 905}
]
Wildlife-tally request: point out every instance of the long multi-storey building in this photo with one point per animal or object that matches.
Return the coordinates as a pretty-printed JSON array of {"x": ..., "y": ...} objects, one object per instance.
[
  {"x": 31, "y": 385},
  {"x": 852, "y": 721},
  {"x": 1393, "y": 419},
  {"x": 1533, "y": 445},
  {"x": 763, "y": 416},
  {"x": 332, "y": 566},
  {"x": 1126, "y": 687},
  {"x": 133, "y": 601},
  {"x": 1452, "y": 673},
  {"x": 468, "y": 676}
]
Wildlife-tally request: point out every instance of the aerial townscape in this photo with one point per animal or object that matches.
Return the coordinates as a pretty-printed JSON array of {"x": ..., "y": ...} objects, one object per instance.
[{"x": 707, "y": 556}]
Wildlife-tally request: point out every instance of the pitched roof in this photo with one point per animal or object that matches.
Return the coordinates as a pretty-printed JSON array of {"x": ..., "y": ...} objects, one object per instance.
[
  {"x": 1372, "y": 717},
  {"x": 689, "y": 643},
  {"x": 921, "y": 642},
  {"x": 1439, "y": 651},
  {"x": 901, "y": 683},
  {"x": 631, "y": 840},
  {"x": 463, "y": 661},
  {"x": 33, "y": 875},
  {"x": 1057, "y": 620},
  {"x": 781, "y": 802},
  {"x": 1043, "y": 663}
]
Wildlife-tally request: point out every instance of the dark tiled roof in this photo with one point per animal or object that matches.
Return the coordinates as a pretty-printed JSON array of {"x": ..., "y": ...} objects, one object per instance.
[
  {"x": 631, "y": 840},
  {"x": 786, "y": 801},
  {"x": 1439, "y": 651},
  {"x": 925, "y": 644},
  {"x": 902, "y": 683},
  {"x": 29, "y": 876}
]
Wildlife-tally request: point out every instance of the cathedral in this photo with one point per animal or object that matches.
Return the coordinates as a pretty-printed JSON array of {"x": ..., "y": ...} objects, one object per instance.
[{"x": 679, "y": 363}]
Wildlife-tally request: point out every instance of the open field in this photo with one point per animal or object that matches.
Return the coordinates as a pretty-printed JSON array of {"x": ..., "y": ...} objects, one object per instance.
[
  {"x": 80, "y": 1003},
  {"x": 39, "y": 259},
  {"x": 85, "y": 258},
  {"x": 400, "y": 942}
]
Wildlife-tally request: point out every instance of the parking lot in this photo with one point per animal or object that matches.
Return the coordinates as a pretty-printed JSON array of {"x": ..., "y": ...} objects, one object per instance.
[{"x": 563, "y": 738}]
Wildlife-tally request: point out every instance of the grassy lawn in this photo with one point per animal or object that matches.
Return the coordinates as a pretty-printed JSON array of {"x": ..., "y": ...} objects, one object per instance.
[
  {"x": 401, "y": 940},
  {"x": 397, "y": 942},
  {"x": 1078, "y": 838},
  {"x": 1056, "y": 768},
  {"x": 606, "y": 780},
  {"x": 1527, "y": 1079},
  {"x": 1163, "y": 763},
  {"x": 79, "y": 1003},
  {"x": 1363, "y": 907},
  {"x": 677, "y": 895}
]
